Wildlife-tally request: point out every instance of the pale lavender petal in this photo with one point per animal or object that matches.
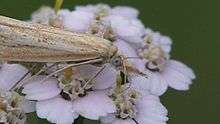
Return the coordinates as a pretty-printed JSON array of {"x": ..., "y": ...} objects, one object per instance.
[
  {"x": 10, "y": 74},
  {"x": 37, "y": 90},
  {"x": 151, "y": 111},
  {"x": 104, "y": 80},
  {"x": 125, "y": 11},
  {"x": 78, "y": 21},
  {"x": 158, "y": 84},
  {"x": 127, "y": 50},
  {"x": 177, "y": 75},
  {"x": 28, "y": 106},
  {"x": 182, "y": 68},
  {"x": 94, "y": 105},
  {"x": 140, "y": 84},
  {"x": 57, "y": 111}
]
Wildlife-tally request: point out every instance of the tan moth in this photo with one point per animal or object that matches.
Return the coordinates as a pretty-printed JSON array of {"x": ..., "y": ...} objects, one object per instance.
[{"x": 25, "y": 42}]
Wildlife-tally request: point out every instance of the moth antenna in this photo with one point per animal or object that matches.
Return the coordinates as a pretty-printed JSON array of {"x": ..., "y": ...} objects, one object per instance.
[
  {"x": 133, "y": 58},
  {"x": 18, "y": 84},
  {"x": 38, "y": 73},
  {"x": 93, "y": 77},
  {"x": 135, "y": 121},
  {"x": 71, "y": 65}
]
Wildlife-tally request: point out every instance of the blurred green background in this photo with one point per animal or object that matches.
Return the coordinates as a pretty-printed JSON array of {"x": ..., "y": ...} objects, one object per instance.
[{"x": 194, "y": 27}]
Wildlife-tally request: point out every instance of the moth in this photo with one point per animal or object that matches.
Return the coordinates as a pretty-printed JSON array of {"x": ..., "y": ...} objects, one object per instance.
[{"x": 26, "y": 42}]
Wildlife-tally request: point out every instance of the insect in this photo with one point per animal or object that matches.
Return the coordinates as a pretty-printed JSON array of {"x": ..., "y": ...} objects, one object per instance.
[{"x": 25, "y": 42}]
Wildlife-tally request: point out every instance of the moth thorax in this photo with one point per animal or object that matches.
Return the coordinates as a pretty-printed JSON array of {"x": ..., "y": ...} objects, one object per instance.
[
  {"x": 156, "y": 58},
  {"x": 76, "y": 88}
]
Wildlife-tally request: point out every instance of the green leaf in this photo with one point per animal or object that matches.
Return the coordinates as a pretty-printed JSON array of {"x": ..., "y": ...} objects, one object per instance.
[
  {"x": 33, "y": 119},
  {"x": 87, "y": 121},
  {"x": 82, "y": 120}
]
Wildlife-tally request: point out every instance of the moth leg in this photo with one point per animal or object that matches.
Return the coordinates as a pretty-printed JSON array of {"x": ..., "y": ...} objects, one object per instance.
[
  {"x": 94, "y": 76},
  {"x": 18, "y": 84},
  {"x": 23, "y": 82},
  {"x": 72, "y": 65}
]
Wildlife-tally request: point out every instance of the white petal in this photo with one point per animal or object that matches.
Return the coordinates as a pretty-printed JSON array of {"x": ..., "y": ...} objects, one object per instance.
[
  {"x": 163, "y": 41},
  {"x": 104, "y": 80},
  {"x": 11, "y": 74},
  {"x": 126, "y": 121},
  {"x": 158, "y": 84},
  {"x": 78, "y": 21},
  {"x": 109, "y": 119},
  {"x": 151, "y": 111},
  {"x": 43, "y": 15},
  {"x": 94, "y": 105},
  {"x": 28, "y": 106},
  {"x": 87, "y": 8},
  {"x": 130, "y": 30},
  {"x": 93, "y": 8},
  {"x": 177, "y": 75},
  {"x": 127, "y": 50},
  {"x": 37, "y": 90},
  {"x": 125, "y": 11},
  {"x": 57, "y": 111},
  {"x": 182, "y": 68},
  {"x": 140, "y": 84}
]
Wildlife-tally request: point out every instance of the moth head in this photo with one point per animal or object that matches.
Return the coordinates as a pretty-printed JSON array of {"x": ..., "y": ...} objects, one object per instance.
[{"x": 117, "y": 61}]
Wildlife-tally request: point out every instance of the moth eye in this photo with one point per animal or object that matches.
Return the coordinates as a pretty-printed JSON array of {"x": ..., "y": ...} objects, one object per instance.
[{"x": 117, "y": 61}]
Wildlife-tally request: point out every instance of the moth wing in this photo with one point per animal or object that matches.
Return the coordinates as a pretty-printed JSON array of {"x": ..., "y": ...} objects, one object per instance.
[
  {"x": 23, "y": 33},
  {"x": 37, "y": 54}
]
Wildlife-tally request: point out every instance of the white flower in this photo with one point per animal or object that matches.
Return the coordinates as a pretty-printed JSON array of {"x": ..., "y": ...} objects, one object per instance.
[
  {"x": 11, "y": 111},
  {"x": 147, "y": 51},
  {"x": 130, "y": 30},
  {"x": 125, "y": 11},
  {"x": 146, "y": 110},
  {"x": 43, "y": 15},
  {"x": 159, "y": 40},
  {"x": 104, "y": 80},
  {"x": 53, "y": 99},
  {"x": 165, "y": 73},
  {"x": 10, "y": 74},
  {"x": 78, "y": 21},
  {"x": 56, "y": 110},
  {"x": 127, "y": 50},
  {"x": 13, "y": 106},
  {"x": 93, "y": 8},
  {"x": 175, "y": 74}
]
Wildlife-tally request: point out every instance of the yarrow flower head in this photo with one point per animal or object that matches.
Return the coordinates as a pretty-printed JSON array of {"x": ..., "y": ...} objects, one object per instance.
[
  {"x": 135, "y": 108},
  {"x": 162, "y": 71},
  {"x": 12, "y": 105},
  {"x": 97, "y": 93},
  {"x": 10, "y": 109},
  {"x": 72, "y": 97}
]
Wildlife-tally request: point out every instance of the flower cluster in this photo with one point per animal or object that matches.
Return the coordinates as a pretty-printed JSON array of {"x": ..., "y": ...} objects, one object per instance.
[{"x": 110, "y": 97}]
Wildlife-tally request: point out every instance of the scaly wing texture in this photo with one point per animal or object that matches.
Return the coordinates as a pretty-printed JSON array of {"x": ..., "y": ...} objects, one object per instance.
[
  {"x": 15, "y": 33},
  {"x": 37, "y": 54}
]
